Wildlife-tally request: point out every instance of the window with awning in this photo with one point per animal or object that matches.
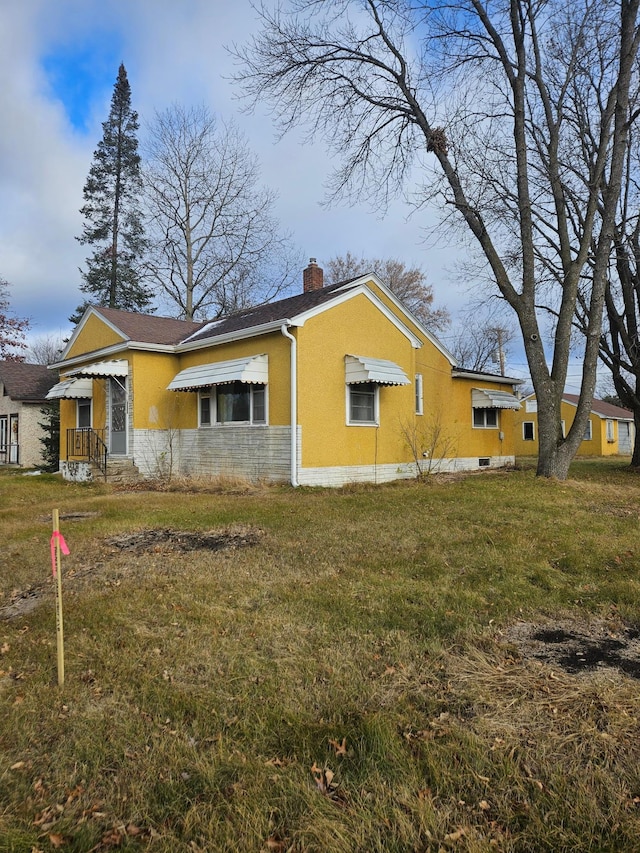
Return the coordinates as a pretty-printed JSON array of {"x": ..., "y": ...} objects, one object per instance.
[
  {"x": 251, "y": 370},
  {"x": 489, "y": 398},
  {"x": 359, "y": 369}
]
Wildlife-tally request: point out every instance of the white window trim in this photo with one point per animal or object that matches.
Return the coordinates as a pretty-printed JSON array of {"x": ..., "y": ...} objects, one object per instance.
[
  {"x": 376, "y": 407},
  {"x": 611, "y": 437},
  {"x": 533, "y": 430},
  {"x": 83, "y": 399},
  {"x": 485, "y": 426},
  {"x": 211, "y": 393},
  {"x": 419, "y": 389},
  {"x": 588, "y": 433}
]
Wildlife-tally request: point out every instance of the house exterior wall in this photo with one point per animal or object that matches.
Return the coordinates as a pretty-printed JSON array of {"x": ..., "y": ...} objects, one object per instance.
[
  {"x": 164, "y": 436},
  {"x": 29, "y": 451},
  {"x": 93, "y": 336},
  {"x": 597, "y": 445},
  {"x": 355, "y": 327}
]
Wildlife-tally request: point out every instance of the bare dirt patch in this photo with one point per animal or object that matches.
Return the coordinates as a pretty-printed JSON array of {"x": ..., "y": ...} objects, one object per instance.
[
  {"x": 184, "y": 540},
  {"x": 141, "y": 542},
  {"x": 580, "y": 647}
]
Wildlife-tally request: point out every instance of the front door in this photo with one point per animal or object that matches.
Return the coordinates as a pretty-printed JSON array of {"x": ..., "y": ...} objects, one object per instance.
[
  {"x": 13, "y": 440},
  {"x": 118, "y": 416}
]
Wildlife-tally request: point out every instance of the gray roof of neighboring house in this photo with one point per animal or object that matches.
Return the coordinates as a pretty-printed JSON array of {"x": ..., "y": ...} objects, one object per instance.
[
  {"x": 26, "y": 382},
  {"x": 605, "y": 410}
]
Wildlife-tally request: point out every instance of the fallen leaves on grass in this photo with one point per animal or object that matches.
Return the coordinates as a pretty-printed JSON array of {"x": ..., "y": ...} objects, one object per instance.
[
  {"x": 323, "y": 777},
  {"x": 340, "y": 748}
]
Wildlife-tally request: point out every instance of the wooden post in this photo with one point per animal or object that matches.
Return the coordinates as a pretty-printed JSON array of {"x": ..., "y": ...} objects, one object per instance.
[{"x": 55, "y": 555}]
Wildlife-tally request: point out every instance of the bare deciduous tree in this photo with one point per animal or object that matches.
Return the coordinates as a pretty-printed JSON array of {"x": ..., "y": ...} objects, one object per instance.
[
  {"x": 480, "y": 346},
  {"x": 215, "y": 245},
  {"x": 409, "y": 284},
  {"x": 45, "y": 349},
  {"x": 12, "y": 328},
  {"x": 490, "y": 102}
]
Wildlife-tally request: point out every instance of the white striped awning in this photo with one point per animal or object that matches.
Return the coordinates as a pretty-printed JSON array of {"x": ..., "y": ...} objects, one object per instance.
[
  {"x": 71, "y": 389},
  {"x": 489, "y": 398},
  {"x": 116, "y": 367},
  {"x": 254, "y": 369},
  {"x": 361, "y": 368}
]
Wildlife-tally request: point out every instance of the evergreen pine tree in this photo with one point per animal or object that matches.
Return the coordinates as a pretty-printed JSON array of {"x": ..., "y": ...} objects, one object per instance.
[{"x": 113, "y": 219}]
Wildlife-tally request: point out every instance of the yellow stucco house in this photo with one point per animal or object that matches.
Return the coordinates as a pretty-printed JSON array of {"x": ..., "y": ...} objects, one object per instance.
[
  {"x": 609, "y": 431},
  {"x": 338, "y": 384}
]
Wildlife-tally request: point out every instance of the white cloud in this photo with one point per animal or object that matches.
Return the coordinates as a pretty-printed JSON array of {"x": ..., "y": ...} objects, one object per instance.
[{"x": 173, "y": 52}]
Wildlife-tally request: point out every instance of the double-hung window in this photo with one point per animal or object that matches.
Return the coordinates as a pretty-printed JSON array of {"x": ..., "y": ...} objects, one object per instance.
[
  {"x": 363, "y": 403},
  {"x": 485, "y": 418},
  {"x": 83, "y": 407},
  {"x": 233, "y": 402}
]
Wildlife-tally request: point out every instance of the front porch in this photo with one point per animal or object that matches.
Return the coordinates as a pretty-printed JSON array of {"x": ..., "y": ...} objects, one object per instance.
[{"x": 88, "y": 458}]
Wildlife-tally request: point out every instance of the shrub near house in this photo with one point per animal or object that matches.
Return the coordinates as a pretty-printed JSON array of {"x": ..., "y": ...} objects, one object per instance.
[{"x": 338, "y": 384}]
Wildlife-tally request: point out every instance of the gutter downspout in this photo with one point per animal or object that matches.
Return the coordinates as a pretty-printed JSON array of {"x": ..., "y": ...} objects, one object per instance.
[{"x": 294, "y": 402}]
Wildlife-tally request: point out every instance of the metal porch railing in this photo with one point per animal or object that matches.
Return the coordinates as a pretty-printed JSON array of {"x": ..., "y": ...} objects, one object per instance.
[{"x": 89, "y": 444}]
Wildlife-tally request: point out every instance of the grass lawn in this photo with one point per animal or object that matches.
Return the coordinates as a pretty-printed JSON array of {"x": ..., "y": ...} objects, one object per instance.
[{"x": 338, "y": 670}]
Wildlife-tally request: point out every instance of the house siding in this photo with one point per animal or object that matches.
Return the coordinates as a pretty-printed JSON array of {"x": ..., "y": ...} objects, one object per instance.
[
  {"x": 30, "y": 432},
  {"x": 251, "y": 452}
]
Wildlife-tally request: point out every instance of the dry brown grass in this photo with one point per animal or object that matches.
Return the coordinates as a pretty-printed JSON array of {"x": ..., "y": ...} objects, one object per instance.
[{"x": 346, "y": 678}]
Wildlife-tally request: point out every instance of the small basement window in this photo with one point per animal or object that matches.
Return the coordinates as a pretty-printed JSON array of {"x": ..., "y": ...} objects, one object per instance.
[{"x": 484, "y": 462}]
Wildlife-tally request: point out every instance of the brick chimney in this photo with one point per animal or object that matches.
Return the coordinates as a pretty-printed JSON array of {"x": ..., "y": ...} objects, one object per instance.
[{"x": 312, "y": 277}]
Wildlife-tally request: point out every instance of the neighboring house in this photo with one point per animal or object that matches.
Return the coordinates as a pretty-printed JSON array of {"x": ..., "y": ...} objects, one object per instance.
[
  {"x": 609, "y": 431},
  {"x": 335, "y": 385},
  {"x": 23, "y": 392}
]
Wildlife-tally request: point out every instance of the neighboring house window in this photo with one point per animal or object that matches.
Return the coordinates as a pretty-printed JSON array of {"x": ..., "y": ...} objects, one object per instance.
[
  {"x": 419, "y": 396},
  {"x": 363, "y": 403},
  {"x": 587, "y": 431},
  {"x": 485, "y": 418},
  {"x": 84, "y": 413},
  {"x": 235, "y": 402},
  {"x": 610, "y": 436},
  {"x": 563, "y": 428},
  {"x": 528, "y": 431},
  {"x": 4, "y": 432}
]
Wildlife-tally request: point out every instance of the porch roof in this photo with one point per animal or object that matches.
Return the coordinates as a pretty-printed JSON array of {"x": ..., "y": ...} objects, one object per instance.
[
  {"x": 71, "y": 389},
  {"x": 115, "y": 367}
]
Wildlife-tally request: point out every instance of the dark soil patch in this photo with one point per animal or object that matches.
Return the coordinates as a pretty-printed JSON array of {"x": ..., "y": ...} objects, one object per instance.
[
  {"x": 154, "y": 541},
  {"x": 580, "y": 647},
  {"x": 165, "y": 538}
]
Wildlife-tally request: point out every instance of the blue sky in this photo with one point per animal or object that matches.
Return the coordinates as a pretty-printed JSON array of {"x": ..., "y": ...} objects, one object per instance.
[{"x": 58, "y": 64}]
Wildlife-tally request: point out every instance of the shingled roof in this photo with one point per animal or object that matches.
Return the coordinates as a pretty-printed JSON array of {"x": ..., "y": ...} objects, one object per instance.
[
  {"x": 270, "y": 312},
  {"x": 26, "y": 382},
  {"x": 147, "y": 328},
  {"x": 605, "y": 410}
]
